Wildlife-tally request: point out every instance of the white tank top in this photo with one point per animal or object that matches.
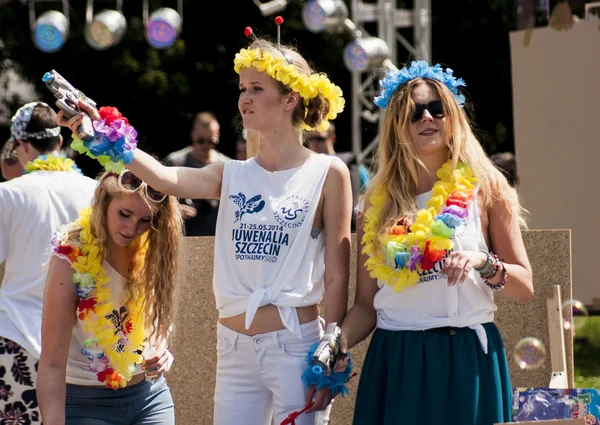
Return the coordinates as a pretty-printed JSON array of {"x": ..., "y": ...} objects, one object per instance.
[
  {"x": 266, "y": 250},
  {"x": 432, "y": 303}
]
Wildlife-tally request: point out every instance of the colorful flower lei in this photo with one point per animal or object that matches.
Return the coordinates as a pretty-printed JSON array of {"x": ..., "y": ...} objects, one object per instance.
[
  {"x": 114, "y": 340},
  {"x": 418, "y": 69},
  {"x": 114, "y": 140},
  {"x": 52, "y": 162},
  {"x": 307, "y": 86},
  {"x": 429, "y": 238}
]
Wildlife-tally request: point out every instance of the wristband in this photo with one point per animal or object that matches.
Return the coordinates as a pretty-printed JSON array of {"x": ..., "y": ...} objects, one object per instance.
[
  {"x": 114, "y": 140},
  {"x": 336, "y": 382}
]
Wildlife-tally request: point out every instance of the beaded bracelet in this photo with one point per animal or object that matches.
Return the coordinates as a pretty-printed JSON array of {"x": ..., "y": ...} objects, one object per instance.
[
  {"x": 336, "y": 382},
  {"x": 488, "y": 267},
  {"x": 499, "y": 286}
]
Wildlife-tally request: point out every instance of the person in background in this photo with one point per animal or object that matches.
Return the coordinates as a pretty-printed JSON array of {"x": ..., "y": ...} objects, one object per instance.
[
  {"x": 200, "y": 215},
  {"x": 324, "y": 142},
  {"x": 10, "y": 167},
  {"x": 32, "y": 207}
]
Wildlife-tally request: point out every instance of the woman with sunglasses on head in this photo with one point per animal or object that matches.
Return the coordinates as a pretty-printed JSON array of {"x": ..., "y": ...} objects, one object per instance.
[
  {"x": 441, "y": 234},
  {"x": 108, "y": 304},
  {"x": 282, "y": 239}
]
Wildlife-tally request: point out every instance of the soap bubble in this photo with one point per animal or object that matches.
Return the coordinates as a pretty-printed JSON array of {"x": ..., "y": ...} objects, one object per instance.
[
  {"x": 574, "y": 314},
  {"x": 529, "y": 353}
]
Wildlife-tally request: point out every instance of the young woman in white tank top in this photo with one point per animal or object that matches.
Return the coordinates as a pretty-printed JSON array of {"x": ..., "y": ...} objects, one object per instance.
[
  {"x": 282, "y": 238},
  {"x": 435, "y": 210}
]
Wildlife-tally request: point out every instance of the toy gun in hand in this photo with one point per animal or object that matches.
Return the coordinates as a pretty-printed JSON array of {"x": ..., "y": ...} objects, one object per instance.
[
  {"x": 328, "y": 351},
  {"x": 67, "y": 100}
]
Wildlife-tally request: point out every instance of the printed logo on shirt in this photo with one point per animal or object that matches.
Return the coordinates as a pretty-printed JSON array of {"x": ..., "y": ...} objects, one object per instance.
[
  {"x": 247, "y": 206},
  {"x": 291, "y": 211},
  {"x": 254, "y": 241}
]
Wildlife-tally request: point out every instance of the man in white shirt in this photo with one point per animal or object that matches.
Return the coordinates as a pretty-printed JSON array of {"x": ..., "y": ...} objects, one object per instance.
[{"x": 32, "y": 207}]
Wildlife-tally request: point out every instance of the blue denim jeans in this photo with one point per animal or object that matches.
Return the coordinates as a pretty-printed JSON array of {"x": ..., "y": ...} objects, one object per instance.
[{"x": 141, "y": 404}]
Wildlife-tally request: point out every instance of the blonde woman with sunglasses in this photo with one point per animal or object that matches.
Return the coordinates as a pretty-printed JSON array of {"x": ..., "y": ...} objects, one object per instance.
[
  {"x": 440, "y": 232},
  {"x": 108, "y": 304}
]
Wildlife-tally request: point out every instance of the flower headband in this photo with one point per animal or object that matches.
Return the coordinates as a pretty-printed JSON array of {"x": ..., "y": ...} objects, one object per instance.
[
  {"x": 20, "y": 121},
  {"x": 307, "y": 86},
  {"x": 418, "y": 69}
]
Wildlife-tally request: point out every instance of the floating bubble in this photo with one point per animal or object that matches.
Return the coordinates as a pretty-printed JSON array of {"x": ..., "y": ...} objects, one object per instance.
[
  {"x": 574, "y": 314},
  {"x": 530, "y": 353}
]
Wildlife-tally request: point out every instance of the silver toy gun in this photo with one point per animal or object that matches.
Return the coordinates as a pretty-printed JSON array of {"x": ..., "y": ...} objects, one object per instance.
[
  {"x": 328, "y": 352},
  {"x": 67, "y": 100}
]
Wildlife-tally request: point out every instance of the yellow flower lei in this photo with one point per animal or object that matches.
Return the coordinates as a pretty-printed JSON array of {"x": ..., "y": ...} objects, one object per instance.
[
  {"x": 308, "y": 86},
  {"x": 119, "y": 348},
  {"x": 51, "y": 163},
  {"x": 405, "y": 253}
]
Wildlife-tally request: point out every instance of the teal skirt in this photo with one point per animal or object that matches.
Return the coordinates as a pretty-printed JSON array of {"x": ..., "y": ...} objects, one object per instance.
[{"x": 435, "y": 377}]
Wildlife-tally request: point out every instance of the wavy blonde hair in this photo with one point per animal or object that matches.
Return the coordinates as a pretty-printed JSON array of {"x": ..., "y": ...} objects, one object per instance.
[
  {"x": 154, "y": 273},
  {"x": 399, "y": 164}
]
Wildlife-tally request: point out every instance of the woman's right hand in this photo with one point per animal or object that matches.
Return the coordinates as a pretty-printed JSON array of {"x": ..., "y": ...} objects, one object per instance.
[{"x": 75, "y": 121}]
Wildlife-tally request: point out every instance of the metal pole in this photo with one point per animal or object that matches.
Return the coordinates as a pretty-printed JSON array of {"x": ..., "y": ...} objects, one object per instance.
[
  {"x": 388, "y": 19},
  {"x": 422, "y": 29},
  {"x": 355, "y": 100}
]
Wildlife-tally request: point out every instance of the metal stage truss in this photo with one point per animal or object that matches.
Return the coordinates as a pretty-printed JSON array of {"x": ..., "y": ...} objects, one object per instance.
[{"x": 389, "y": 19}]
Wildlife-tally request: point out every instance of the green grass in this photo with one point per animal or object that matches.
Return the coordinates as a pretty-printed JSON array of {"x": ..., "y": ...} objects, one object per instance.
[{"x": 587, "y": 353}]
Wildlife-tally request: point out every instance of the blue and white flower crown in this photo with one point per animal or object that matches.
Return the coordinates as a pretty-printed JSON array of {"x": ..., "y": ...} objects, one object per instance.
[{"x": 418, "y": 69}]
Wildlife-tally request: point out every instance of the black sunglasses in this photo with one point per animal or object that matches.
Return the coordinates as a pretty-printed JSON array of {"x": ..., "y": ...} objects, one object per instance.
[
  {"x": 316, "y": 139},
  {"x": 435, "y": 108}
]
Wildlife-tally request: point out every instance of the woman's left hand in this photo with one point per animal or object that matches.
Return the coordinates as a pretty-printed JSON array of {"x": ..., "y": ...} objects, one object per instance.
[
  {"x": 322, "y": 399},
  {"x": 459, "y": 263},
  {"x": 159, "y": 362}
]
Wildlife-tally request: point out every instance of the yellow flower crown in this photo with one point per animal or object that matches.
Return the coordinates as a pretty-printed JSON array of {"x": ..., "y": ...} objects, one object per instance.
[{"x": 307, "y": 86}]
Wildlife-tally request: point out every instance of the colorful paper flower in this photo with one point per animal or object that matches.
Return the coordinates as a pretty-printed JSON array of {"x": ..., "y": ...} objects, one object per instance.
[
  {"x": 52, "y": 162},
  {"x": 398, "y": 257},
  {"x": 117, "y": 346},
  {"x": 418, "y": 69},
  {"x": 308, "y": 86}
]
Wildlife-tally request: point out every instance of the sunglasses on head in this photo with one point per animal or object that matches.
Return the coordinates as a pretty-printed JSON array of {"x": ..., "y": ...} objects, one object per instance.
[
  {"x": 435, "y": 108},
  {"x": 128, "y": 181}
]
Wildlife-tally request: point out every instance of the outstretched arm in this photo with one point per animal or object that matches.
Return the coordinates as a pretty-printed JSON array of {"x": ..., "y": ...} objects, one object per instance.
[{"x": 182, "y": 182}]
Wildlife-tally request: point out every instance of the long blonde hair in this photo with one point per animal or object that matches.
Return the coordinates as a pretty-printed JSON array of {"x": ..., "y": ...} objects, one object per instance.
[
  {"x": 398, "y": 162},
  {"x": 154, "y": 273}
]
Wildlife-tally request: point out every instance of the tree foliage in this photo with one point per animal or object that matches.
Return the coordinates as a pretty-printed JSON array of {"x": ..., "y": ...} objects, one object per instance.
[{"x": 161, "y": 90}]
